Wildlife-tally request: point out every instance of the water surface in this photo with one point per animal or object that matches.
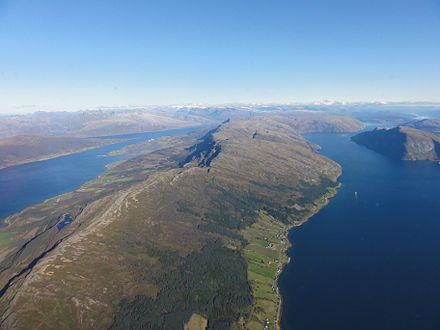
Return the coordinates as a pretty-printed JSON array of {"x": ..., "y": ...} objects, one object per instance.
[
  {"x": 371, "y": 262},
  {"x": 32, "y": 183}
]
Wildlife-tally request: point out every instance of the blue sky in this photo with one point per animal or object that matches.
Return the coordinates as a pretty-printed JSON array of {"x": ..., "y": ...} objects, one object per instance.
[{"x": 77, "y": 54}]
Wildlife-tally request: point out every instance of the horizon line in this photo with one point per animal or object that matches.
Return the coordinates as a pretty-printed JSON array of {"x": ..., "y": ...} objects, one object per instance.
[{"x": 205, "y": 105}]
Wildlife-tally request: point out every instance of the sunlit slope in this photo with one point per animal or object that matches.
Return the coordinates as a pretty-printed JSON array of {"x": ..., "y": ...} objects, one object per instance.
[{"x": 161, "y": 244}]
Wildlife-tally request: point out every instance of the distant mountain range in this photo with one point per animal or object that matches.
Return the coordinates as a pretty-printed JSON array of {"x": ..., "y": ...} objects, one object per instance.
[
  {"x": 430, "y": 125},
  {"x": 22, "y": 149},
  {"x": 87, "y": 123},
  {"x": 135, "y": 120}
]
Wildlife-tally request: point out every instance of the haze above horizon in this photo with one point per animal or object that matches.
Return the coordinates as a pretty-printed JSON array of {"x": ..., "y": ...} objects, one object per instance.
[{"x": 74, "y": 55}]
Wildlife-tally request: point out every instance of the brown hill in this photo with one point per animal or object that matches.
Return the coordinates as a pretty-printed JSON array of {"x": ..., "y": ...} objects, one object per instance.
[
  {"x": 401, "y": 143},
  {"x": 325, "y": 124}
]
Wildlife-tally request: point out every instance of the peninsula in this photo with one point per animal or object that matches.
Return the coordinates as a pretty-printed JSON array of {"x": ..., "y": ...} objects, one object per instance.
[
  {"x": 401, "y": 142},
  {"x": 189, "y": 234},
  {"x": 23, "y": 149}
]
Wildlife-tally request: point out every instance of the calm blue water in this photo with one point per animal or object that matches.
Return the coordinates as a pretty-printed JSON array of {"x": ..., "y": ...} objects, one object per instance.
[
  {"x": 67, "y": 220},
  {"x": 371, "y": 262},
  {"x": 28, "y": 184}
]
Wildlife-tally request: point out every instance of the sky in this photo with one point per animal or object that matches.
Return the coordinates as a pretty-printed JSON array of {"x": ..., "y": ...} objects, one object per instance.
[{"x": 81, "y": 54}]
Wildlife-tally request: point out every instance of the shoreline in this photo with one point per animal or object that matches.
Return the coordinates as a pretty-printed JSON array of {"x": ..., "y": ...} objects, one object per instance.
[
  {"x": 52, "y": 156},
  {"x": 103, "y": 138},
  {"x": 290, "y": 245}
]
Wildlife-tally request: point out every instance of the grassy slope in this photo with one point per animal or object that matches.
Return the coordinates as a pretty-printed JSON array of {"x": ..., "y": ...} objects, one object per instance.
[
  {"x": 266, "y": 256},
  {"x": 153, "y": 243}
]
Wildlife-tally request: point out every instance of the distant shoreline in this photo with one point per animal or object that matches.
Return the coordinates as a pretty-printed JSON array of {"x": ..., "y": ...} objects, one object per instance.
[
  {"x": 52, "y": 156},
  {"x": 106, "y": 140}
]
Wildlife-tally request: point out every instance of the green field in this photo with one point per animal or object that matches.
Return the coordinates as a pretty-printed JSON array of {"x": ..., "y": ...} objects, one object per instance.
[
  {"x": 265, "y": 255},
  {"x": 6, "y": 239}
]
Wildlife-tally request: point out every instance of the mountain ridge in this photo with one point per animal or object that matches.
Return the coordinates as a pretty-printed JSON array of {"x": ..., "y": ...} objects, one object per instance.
[{"x": 160, "y": 237}]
